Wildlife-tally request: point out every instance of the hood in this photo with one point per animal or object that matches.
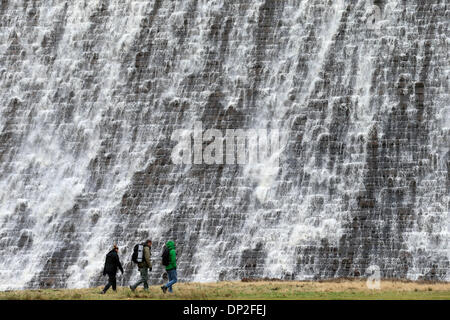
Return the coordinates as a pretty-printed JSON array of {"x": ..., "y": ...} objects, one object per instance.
[{"x": 170, "y": 244}]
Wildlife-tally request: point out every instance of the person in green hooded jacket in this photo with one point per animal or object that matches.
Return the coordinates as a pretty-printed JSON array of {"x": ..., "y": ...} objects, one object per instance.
[{"x": 171, "y": 268}]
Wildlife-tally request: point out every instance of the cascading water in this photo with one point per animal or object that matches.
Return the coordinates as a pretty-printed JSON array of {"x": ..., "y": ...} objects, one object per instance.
[{"x": 91, "y": 92}]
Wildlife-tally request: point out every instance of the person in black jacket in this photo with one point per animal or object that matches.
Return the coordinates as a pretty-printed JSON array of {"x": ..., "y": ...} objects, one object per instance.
[{"x": 112, "y": 262}]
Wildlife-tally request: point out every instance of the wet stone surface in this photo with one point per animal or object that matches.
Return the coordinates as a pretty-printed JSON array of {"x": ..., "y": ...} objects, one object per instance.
[{"x": 91, "y": 92}]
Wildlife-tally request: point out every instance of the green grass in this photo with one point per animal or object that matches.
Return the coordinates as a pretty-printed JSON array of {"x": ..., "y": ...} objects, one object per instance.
[{"x": 259, "y": 290}]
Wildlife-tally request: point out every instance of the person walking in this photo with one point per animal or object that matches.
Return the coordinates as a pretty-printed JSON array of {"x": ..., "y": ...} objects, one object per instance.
[
  {"x": 112, "y": 263},
  {"x": 144, "y": 266},
  {"x": 170, "y": 261}
]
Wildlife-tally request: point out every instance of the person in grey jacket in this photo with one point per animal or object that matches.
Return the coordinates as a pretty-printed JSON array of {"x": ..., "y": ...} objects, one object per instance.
[{"x": 144, "y": 267}]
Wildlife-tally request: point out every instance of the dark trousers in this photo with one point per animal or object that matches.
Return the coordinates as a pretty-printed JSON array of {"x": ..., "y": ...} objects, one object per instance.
[
  {"x": 111, "y": 282},
  {"x": 143, "y": 279}
]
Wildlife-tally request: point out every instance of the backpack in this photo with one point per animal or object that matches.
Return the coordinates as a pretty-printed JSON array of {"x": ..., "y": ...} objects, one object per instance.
[
  {"x": 138, "y": 253},
  {"x": 166, "y": 257}
]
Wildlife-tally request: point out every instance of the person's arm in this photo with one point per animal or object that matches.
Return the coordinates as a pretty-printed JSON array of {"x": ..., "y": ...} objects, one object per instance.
[
  {"x": 147, "y": 257},
  {"x": 104, "y": 268},
  {"x": 119, "y": 264}
]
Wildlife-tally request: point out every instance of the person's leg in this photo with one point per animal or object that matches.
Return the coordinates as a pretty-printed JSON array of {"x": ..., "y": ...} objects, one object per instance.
[
  {"x": 144, "y": 276},
  {"x": 172, "y": 279},
  {"x": 109, "y": 284},
  {"x": 165, "y": 277},
  {"x": 112, "y": 279},
  {"x": 134, "y": 286}
]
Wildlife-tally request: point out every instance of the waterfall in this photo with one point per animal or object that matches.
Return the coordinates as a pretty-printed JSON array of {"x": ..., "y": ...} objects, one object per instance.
[{"x": 92, "y": 91}]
